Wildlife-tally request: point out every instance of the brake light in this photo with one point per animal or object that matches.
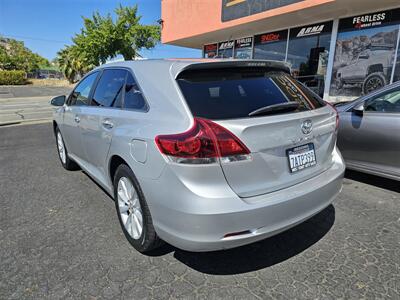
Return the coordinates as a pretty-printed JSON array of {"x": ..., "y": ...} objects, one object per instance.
[
  {"x": 205, "y": 142},
  {"x": 337, "y": 114}
]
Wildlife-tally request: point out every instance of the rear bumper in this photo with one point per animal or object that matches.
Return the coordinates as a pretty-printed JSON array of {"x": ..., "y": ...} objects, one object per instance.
[{"x": 193, "y": 221}]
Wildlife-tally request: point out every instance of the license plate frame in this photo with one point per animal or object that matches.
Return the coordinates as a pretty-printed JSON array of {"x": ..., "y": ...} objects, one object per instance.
[{"x": 301, "y": 157}]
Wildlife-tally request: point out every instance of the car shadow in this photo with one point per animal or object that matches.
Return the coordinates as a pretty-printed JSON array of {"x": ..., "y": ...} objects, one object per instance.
[
  {"x": 258, "y": 255},
  {"x": 380, "y": 182}
]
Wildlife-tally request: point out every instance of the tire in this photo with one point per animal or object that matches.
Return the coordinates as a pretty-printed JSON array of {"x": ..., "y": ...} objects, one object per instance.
[
  {"x": 339, "y": 84},
  {"x": 62, "y": 151},
  {"x": 373, "y": 82},
  {"x": 131, "y": 207}
]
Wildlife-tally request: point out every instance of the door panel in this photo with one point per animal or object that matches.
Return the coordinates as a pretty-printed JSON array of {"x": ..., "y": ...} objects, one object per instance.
[
  {"x": 97, "y": 123},
  {"x": 77, "y": 100},
  {"x": 71, "y": 131},
  {"x": 371, "y": 139},
  {"x": 96, "y": 137}
]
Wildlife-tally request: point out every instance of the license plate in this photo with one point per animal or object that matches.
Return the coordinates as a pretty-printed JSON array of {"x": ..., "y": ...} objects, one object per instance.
[{"x": 301, "y": 157}]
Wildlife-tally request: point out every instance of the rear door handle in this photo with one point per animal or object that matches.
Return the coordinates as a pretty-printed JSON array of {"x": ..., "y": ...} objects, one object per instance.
[
  {"x": 107, "y": 123},
  {"x": 77, "y": 119}
]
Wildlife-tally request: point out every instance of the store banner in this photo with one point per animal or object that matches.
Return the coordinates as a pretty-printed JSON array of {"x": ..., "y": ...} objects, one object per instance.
[
  {"x": 244, "y": 43},
  {"x": 225, "y": 49},
  {"x": 235, "y": 9},
  {"x": 210, "y": 51},
  {"x": 383, "y": 18},
  {"x": 365, "y": 53},
  {"x": 243, "y": 48},
  {"x": 311, "y": 30},
  {"x": 271, "y": 37},
  {"x": 225, "y": 45}
]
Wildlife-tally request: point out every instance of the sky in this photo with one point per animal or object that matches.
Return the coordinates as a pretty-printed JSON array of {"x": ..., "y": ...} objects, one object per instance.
[{"x": 45, "y": 26}]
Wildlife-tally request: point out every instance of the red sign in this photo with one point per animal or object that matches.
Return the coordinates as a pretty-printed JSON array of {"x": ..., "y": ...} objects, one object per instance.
[
  {"x": 212, "y": 47},
  {"x": 271, "y": 37}
]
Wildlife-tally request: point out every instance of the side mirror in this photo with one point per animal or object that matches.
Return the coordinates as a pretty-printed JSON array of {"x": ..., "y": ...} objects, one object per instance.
[
  {"x": 359, "y": 109},
  {"x": 58, "y": 101}
]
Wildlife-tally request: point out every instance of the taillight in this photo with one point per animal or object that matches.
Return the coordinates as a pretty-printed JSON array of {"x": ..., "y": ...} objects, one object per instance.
[
  {"x": 337, "y": 114},
  {"x": 205, "y": 142}
]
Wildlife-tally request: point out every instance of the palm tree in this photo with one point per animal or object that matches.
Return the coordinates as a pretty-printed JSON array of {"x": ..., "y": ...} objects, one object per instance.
[{"x": 71, "y": 64}]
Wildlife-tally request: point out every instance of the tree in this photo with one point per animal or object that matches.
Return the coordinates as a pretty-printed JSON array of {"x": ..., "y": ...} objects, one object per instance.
[
  {"x": 131, "y": 36},
  {"x": 102, "y": 38},
  {"x": 72, "y": 64},
  {"x": 15, "y": 56}
]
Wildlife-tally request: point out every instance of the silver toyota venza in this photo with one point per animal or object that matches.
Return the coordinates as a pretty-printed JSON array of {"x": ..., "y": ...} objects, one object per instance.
[{"x": 205, "y": 155}]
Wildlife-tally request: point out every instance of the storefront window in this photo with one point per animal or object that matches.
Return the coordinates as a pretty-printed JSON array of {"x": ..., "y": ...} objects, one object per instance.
[
  {"x": 271, "y": 46},
  {"x": 365, "y": 53},
  {"x": 397, "y": 68},
  {"x": 210, "y": 51},
  {"x": 308, "y": 54},
  {"x": 243, "y": 48},
  {"x": 225, "y": 49}
]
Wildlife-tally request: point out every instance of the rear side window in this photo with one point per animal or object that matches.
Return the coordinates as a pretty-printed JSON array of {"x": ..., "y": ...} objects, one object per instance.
[
  {"x": 109, "y": 90},
  {"x": 236, "y": 92},
  {"x": 133, "y": 96}
]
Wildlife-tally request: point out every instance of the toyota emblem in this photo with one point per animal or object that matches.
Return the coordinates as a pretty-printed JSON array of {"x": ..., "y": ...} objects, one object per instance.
[{"x": 307, "y": 126}]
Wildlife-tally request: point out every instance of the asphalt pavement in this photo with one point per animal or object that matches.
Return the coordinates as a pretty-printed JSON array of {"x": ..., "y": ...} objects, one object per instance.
[
  {"x": 27, "y": 104},
  {"x": 60, "y": 238}
]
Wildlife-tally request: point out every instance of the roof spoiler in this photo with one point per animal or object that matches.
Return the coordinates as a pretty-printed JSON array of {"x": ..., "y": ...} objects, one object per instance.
[{"x": 273, "y": 65}]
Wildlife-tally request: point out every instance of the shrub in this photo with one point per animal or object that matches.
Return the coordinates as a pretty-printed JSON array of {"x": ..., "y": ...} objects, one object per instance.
[{"x": 12, "y": 77}]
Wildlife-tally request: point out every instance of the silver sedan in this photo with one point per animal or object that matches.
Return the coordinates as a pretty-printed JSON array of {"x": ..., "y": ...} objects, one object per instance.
[{"x": 369, "y": 132}]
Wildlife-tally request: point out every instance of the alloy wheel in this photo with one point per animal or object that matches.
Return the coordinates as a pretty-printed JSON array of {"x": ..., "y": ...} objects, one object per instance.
[
  {"x": 374, "y": 84},
  {"x": 61, "y": 148},
  {"x": 129, "y": 208}
]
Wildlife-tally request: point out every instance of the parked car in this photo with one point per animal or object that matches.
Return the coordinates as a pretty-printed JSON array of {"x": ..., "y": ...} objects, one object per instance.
[
  {"x": 205, "y": 155},
  {"x": 371, "y": 69},
  {"x": 369, "y": 132}
]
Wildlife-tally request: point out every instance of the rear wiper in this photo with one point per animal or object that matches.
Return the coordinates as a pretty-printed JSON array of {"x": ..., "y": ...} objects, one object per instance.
[{"x": 270, "y": 109}]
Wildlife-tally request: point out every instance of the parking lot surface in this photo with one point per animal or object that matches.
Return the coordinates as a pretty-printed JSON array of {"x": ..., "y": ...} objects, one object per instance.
[
  {"x": 22, "y": 104},
  {"x": 60, "y": 238}
]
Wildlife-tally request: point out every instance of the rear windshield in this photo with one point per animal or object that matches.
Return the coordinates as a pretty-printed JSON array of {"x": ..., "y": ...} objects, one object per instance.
[{"x": 232, "y": 93}]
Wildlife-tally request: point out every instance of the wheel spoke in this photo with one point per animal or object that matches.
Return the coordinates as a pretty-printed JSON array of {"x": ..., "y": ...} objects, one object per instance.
[
  {"x": 134, "y": 228},
  {"x": 136, "y": 202},
  {"x": 139, "y": 216},
  {"x": 121, "y": 196},
  {"x": 123, "y": 209},
  {"x": 128, "y": 224},
  {"x": 137, "y": 223},
  {"x": 125, "y": 188}
]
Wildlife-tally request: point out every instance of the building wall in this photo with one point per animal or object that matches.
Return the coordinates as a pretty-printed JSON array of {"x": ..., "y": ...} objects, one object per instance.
[{"x": 184, "y": 18}]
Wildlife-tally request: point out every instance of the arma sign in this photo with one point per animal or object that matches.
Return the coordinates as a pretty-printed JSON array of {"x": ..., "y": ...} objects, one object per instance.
[
  {"x": 235, "y": 9},
  {"x": 311, "y": 30}
]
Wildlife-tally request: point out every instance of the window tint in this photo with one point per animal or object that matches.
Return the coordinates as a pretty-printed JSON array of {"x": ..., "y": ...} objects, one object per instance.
[
  {"x": 80, "y": 96},
  {"x": 133, "y": 96},
  {"x": 388, "y": 102},
  {"x": 234, "y": 93},
  {"x": 109, "y": 89}
]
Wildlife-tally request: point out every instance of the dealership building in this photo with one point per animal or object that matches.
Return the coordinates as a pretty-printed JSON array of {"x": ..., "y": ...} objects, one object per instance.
[{"x": 339, "y": 48}]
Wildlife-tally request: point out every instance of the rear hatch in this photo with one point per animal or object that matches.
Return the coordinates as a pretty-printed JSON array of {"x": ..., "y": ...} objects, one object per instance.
[{"x": 290, "y": 131}]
